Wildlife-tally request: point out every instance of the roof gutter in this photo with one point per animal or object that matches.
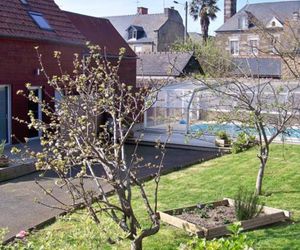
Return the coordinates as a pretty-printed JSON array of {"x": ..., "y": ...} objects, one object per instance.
[{"x": 79, "y": 44}]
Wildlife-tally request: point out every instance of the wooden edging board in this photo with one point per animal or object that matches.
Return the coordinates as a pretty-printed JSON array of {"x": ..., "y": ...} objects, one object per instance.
[{"x": 272, "y": 215}]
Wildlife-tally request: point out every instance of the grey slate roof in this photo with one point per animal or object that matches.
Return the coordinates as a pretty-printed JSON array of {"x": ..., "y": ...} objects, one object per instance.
[
  {"x": 162, "y": 63},
  {"x": 258, "y": 67},
  {"x": 150, "y": 23},
  {"x": 195, "y": 37},
  {"x": 264, "y": 12}
]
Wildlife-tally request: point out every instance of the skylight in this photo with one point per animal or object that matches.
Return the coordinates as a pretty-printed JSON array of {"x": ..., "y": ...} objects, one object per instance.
[
  {"x": 40, "y": 20},
  {"x": 24, "y": 1}
]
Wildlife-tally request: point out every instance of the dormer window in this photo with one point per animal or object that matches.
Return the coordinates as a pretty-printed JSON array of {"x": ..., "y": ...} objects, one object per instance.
[
  {"x": 274, "y": 23},
  {"x": 39, "y": 19},
  {"x": 243, "y": 22},
  {"x": 135, "y": 32}
]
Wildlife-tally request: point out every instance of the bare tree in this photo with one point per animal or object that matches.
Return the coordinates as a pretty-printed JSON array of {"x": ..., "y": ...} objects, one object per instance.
[
  {"x": 263, "y": 107},
  {"x": 74, "y": 139}
]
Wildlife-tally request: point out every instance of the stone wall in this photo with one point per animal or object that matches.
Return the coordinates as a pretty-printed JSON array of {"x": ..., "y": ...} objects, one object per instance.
[
  {"x": 264, "y": 41},
  {"x": 171, "y": 32}
]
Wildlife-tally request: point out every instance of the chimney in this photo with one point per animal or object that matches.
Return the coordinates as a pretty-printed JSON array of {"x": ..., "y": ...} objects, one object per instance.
[
  {"x": 170, "y": 11},
  {"x": 229, "y": 9},
  {"x": 142, "y": 11}
]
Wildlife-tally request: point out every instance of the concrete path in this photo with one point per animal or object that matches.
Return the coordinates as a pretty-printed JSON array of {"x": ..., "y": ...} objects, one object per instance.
[{"x": 19, "y": 211}]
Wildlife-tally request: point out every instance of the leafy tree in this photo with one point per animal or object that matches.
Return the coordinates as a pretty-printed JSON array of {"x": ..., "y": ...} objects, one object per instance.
[
  {"x": 206, "y": 10},
  {"x": 73, "y": 140},
  {"x": 213, "y": 60}
]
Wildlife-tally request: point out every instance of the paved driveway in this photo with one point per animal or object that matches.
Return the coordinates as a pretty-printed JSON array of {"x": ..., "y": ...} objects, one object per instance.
[{"x": 19, "y": 211}]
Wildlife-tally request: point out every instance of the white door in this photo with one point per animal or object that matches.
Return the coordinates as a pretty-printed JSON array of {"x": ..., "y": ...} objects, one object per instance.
[{"x": 5, "y": 116}]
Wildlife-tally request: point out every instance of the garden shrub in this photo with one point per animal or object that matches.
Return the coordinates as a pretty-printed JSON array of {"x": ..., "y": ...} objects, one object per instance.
[
  {"x": 222, "y": 135},
  {"x": 247, "y": 204},
  {"x": 236, "y": 241},
  {"x": 243, "y": 143}
]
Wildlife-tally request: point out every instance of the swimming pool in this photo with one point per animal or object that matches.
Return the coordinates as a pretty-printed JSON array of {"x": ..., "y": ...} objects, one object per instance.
[{"x": 233, "y": 130}]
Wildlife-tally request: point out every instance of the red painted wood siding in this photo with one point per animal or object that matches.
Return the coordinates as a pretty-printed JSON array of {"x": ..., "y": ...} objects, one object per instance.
[{"x": 18, "y": 66}]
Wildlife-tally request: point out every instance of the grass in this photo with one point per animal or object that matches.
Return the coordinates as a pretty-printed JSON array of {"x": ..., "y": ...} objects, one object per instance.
[{"x": 209, "y": 181}]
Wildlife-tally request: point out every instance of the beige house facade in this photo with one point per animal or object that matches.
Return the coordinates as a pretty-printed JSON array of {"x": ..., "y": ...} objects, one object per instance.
[{"x": 261, "y": 31}]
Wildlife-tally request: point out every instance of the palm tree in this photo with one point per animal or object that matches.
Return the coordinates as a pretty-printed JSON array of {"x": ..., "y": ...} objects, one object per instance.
[{"x": 206, "y": 10}]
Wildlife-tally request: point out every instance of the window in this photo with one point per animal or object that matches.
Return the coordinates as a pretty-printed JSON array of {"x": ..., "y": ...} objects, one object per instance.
[
  {"x": 24, "y": 1},
  {"x": 243, "y": 23},
  {"x": 138, "y": 49},
  {"x": 234, "y": 47},
  {"x": 135, "y": 32},
  {"x": 273, "y": 24},
  {"x": 40, "y": 20},
  {"x": 253, "y": 46}
]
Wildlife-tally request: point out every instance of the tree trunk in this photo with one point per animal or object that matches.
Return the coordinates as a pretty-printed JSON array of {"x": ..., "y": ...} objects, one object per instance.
[
  {"x": 259, "y": 179},
  {"x": 137, "y": 244},
  {"x": 264, "y": 155},
  {"x": 204, "y": 22}
]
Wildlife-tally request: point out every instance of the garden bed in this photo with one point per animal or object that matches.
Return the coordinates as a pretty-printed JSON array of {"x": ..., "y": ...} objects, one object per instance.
[{"x": 211, "y": 220}]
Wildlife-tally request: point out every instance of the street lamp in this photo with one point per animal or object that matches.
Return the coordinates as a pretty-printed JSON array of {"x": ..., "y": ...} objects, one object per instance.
[{"x": 186, "y": 18}]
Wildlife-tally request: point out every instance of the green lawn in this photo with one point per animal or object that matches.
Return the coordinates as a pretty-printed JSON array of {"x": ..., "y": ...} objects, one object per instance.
[{"x": 204, "y": 182}]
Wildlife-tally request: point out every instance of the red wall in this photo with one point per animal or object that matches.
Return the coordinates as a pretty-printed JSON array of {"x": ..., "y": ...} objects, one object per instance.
[{"x": 18, "y": 66}]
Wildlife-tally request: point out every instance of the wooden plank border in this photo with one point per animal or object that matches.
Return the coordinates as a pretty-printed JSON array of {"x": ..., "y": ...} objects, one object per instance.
[{"x": 272, "y": 215}]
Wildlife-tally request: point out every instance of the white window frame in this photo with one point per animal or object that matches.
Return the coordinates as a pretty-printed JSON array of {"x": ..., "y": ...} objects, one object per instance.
[
  {"x": 37, "y": 17},
  {"x": 9, "y": 113},
  {"x": 138, "y": 48},
  {"x": 253, "y": 50},
  {"x": 40, "y": 116},
  {"x": 238, "y": 46}
]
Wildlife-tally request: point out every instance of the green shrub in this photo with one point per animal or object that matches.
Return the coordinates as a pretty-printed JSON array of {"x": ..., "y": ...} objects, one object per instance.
[
  {"x": 247, "y": 204},
  {"x": 243, "y": 142},
  {"x": 236, "y": 241},
  {"x": 222, "y": 135},
  {"x": 214, "y": 62}
]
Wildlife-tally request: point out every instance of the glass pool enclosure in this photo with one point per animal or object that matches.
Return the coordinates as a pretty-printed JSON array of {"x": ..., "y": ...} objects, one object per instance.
[{"x": 188, "y": 107}]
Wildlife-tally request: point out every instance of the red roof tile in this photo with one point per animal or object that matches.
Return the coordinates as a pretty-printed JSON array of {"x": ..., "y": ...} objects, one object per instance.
[
  {"x": 15, "y": 21},
  {"x": 101, "y": 32}
]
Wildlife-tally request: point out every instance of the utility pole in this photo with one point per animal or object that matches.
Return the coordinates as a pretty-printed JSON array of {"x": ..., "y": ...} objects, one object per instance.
[{"x": 186, "y": 21}]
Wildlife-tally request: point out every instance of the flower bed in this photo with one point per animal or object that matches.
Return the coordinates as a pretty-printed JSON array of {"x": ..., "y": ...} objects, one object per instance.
[{"x": 211, "y": 220}]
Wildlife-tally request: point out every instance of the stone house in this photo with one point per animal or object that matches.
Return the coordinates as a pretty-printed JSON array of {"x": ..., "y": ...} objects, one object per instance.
[
  {"x": 261, "y": 30},
  {"x": 146, "y": 32}
]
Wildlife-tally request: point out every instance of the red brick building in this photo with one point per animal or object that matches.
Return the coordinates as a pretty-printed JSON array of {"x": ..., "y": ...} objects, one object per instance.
[{"x": 25, "y": 24}]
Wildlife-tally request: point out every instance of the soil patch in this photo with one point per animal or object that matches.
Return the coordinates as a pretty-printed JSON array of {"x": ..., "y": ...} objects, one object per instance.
[{"x": 210, "y": 217}]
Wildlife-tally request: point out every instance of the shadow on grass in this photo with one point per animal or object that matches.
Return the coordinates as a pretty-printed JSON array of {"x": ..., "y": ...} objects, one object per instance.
[
  {"x": 285, "y": 192},
  {"x": 282, "y": 232}
]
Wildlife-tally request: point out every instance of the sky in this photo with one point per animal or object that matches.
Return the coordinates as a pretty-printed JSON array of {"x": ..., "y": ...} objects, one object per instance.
[{"x": 102, "y": 8}]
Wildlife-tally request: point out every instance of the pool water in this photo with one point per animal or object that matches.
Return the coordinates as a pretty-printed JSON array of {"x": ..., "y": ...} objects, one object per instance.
[{"x": 233, "y": 130}]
